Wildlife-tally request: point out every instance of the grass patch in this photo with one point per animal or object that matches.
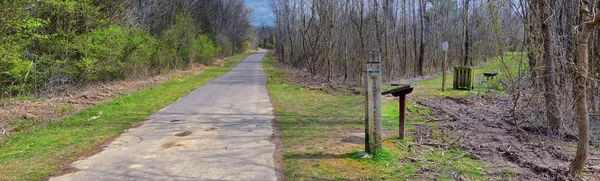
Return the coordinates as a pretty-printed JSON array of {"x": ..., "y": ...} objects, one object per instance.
[
  {"x": 320, "y": 142},
  {"x": 505, "y": 69},
  {"x": 35, "y": 153},
  {"x": 414, "y": 113},
  {"x": 19, "y": 125}
]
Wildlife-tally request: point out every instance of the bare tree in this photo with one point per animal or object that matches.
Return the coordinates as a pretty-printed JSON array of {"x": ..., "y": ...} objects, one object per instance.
[
  {"x": 466, "y": 32},
  {"x": 422, "y": 5},
  {"x": 226, "y": 21},
  {"x": 553, "y": 114},
  {"x": 581, "y": 74},
  {"x": 236, "y": 25},
  {"x": 405, "y": 39},
  {"x": 307, "y": 40}
]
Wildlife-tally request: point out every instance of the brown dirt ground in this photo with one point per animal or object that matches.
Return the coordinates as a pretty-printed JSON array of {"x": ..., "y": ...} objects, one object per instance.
[
  {"x": 488, "y": 132},
  {"x": 75, "y": 100},
  {"x": 315, "y": 82}
]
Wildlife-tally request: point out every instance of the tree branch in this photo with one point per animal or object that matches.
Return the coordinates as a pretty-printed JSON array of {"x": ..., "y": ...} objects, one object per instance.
[{"x": 594, "y": 22}]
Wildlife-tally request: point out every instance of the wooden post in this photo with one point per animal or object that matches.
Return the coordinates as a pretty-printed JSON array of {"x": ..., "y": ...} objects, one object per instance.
[
  {"x": 402, "y": 116},
  {"x": 373, "y": 131},
  {"x": 401, "y": 93},
  {"x": 445, "y": 47},
  {"x": 455, "y": 83},
  {"x": 444, "y": 71}
]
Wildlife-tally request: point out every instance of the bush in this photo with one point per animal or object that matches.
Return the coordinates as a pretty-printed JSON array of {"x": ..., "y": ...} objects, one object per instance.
[
  {"x": 184, "y": 42},
  {"x": 76, "y": 44},
  {"x": 114, "y": 53},
  {"x": 14, "y": 70},
  {"x": 204, "y": 50}
]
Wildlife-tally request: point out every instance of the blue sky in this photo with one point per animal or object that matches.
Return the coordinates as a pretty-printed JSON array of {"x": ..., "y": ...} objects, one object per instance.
[{"x": 261, "y": 13}]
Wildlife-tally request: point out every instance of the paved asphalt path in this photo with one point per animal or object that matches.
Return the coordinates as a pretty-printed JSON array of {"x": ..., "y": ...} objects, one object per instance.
[{"x": 229, "y": 125}]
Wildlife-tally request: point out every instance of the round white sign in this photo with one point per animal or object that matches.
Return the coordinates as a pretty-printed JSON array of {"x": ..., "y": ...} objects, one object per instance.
[{"x": 445, "y": 46}]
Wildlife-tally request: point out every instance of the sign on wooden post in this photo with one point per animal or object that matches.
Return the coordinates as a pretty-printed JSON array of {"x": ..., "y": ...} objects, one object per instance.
[
  {"x": 373, "y": 131},
  {"x": 445, "y": 47}
]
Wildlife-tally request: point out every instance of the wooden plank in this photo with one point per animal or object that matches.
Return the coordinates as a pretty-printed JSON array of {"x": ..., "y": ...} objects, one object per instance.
[
  {"x": 455, "y": 79},
  {"x": 394, "y": 91},
  {"x": 464, "y": 77},
  {"x": 471, "y": 86}
]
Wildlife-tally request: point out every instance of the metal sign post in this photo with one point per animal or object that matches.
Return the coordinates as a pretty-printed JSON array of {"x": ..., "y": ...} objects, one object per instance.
[{"x": 373, "y": 131}]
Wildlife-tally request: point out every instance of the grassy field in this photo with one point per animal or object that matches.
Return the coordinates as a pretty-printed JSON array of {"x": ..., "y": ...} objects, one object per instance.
[
  {"x": 321, "y": 134},
  {"x": 35, "y": 154},
  {"x": 507, "y": 69}
]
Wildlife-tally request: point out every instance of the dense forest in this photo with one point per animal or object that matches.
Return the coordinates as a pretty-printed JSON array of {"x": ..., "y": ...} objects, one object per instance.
[
  {"x": 554, "y": 83},
  {"x": 50, "y": 45}
]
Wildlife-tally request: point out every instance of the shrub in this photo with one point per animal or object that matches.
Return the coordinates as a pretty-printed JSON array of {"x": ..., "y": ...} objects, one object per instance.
[
  {"x": 179, "y": 38},
  {"x": 186, "y": 44},
  {"x": 204, "y": 50},
  {"x": 114, "y": 53},
  {"x": 14, "y": 70},
  {"x": 77, "y": 43}
]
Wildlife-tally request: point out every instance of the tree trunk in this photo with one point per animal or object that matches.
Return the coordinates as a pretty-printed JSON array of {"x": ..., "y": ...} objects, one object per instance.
[
  {"x": 346, "y": 57},
  {"x": 593, "y": 84},
  {"x": 422, "y": 46},
  {"x": 416, "y": 51},
  {"x": 553, "y": 114},
  {"x": 386, "y": 33},
  {"x": 405, "y": 45},
  {"x": 290, "y": 39},
  {"x": 330, "y": 23},
  {"x": 466, "y": 32},
  {"x": 581, "y": 73},
  {"x": 530, "y": 43},
  {"x": 346, "y": 11},
  {"x": 596, "y": 57}
]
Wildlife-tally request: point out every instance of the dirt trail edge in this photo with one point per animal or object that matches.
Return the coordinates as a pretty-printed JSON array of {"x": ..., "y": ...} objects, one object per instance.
[
  {"x": 488, "y": 132},
  {"x": 220, "y": 131}
]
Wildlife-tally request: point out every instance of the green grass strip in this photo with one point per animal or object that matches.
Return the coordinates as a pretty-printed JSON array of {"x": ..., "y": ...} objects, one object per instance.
[
  {"x": 310, "y": 120},
  {"x": 35, "y": 154}
]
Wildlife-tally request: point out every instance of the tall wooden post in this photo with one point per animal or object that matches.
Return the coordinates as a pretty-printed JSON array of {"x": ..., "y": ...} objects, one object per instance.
[
  {"x": 444, "y": 68},
  {"x": 373, "y": 131},
  {"x": 444, "y": 71}
]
